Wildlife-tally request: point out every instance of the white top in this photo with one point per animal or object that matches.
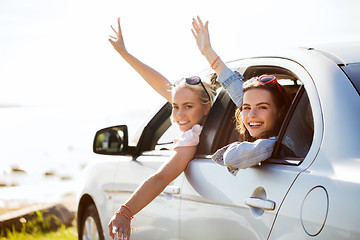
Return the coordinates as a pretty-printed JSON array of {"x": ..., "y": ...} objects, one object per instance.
[{"x": 188, "y": 138}]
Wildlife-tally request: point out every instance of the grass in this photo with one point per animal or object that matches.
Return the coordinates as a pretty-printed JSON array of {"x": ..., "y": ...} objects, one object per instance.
[
  {"x": 62, "y": 233},
  {"x": 41, "y": 228}
]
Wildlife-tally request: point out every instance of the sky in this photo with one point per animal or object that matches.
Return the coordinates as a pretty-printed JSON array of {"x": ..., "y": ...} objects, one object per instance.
[
  {"x": 56, "y": 53},
  {"x": 57, "y": 63}
]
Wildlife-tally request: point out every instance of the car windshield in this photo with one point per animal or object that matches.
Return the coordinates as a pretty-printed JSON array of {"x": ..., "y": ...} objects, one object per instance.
[{"x": 352, "y": 70}]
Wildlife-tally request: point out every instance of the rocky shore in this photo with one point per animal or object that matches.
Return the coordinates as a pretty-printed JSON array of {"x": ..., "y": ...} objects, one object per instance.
[{"x": 21, "y": 203}]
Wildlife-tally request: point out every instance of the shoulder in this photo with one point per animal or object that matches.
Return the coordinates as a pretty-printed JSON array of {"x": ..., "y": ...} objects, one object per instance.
[{"x": 188, "y": 138}]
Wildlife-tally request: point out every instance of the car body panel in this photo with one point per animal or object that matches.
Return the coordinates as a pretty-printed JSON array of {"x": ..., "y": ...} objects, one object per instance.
[
  {"x": 160, "y": 219},
  {"x": 226, "y": 197},
  {"x": 338, "y": 220},
  {"x": 100, "y": 197}
]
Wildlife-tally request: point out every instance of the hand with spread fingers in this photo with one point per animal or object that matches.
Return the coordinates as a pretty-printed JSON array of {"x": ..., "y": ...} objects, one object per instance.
[
  {"x": 118, "y": 41},
  {"x": 201, "y": 34},
  {"x": 202, "y": 37},
  {"x": 155, "y": 79}
]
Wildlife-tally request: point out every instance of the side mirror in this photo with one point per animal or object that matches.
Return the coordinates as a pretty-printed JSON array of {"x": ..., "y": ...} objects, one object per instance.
[{"x": 111, "y": 140}]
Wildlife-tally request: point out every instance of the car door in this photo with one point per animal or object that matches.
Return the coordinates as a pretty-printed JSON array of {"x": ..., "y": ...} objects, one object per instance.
[
  {"x": 218, "y": 205},
  {"x": 159, "y": 219}
]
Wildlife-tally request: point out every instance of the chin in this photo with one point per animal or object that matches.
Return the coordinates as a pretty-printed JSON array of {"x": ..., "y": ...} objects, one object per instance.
[
  {"x": 256, "y": 134},
  {"x": 184, "y": 128}
]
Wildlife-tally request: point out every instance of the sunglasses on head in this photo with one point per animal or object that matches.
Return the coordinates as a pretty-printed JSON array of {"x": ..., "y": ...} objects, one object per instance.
[
  {"x": 265, "y": 79},
  {"x": 194, "y": 80}
]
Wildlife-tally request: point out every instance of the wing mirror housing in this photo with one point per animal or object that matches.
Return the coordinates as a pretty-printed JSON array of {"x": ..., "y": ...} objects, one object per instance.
[{"x": 111, "y": 141}]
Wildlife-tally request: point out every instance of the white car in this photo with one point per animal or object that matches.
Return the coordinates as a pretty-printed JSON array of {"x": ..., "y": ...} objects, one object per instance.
[{"x": 310, "y": 192}]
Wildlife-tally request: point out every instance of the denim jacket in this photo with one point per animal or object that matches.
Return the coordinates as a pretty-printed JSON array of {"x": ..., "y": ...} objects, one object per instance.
[
  {"x": 240, "y": 155},
  {"x": 233, "y": 84}
]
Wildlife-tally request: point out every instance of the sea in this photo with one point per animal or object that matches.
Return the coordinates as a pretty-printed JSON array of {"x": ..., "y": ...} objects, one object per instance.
[{"x": 43, "y": 150}]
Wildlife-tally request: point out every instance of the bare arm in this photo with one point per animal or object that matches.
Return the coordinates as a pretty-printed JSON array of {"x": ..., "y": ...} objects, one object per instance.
[
  {"x": 157, "y": 81},
  {"x": 202, "y": 37},
  {"x": 152, "y": 187},
  {"x": 230, "y": 80}
]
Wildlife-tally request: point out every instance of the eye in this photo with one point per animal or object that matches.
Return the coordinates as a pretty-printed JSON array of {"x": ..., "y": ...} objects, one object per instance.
[
  {"x": 188, "y": 106},
  {"x": 246, "y": 108},
  {"x": 175, "y": 107},
  {"x": 263, "y": 107}
]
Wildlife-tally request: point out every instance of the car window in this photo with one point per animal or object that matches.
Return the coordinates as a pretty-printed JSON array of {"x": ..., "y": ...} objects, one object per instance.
[
  {"x": 166, "y": 140},
  {"x": 298, "y": 136},
  {"x": 352, "y": 70},
  {"x": 230, "y": 134}
]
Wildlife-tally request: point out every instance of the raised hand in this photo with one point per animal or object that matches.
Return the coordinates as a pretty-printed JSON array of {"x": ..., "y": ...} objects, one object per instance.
[
  {"x": 118, "y": 41},
  {"x": 202, "y": 37},
  {"x": 201, "y": 34},
  {"x": 157, "y": 81}
]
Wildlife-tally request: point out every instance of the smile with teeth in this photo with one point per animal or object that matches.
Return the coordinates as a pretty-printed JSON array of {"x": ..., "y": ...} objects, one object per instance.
[
  {"x": 182, "y": 122},
  {"x": 255, "y": 124}
]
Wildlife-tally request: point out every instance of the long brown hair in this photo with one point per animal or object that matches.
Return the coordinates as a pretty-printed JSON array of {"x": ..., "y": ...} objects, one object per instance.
[{"x": 280, "y": 99}]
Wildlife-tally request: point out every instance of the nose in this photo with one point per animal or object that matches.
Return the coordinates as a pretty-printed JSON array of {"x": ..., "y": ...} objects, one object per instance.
[
  {"x": 179, "y": 113},
  {"x": 252, "y": 112}
]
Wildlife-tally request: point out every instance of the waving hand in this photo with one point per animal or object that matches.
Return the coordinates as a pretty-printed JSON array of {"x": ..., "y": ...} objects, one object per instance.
[
  {"x": 202, "y": 37},
  {"x": 118, "y": 41},
  {"x": 157, "y": 81}
]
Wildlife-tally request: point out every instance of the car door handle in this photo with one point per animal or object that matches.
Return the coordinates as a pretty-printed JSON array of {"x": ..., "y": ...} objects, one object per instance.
[
  {"x": 172, "y": 190},
  {"x": 260, "y": 203}
]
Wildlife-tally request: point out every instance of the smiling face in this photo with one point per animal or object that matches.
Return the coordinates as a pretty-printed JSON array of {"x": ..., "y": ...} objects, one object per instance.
[
  {"x": 259, "y": 112},
  {"x": 188, "y": 109}
]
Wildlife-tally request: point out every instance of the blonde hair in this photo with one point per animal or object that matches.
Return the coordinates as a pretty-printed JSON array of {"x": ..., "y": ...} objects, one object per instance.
[{"x": 209, "y": 84}]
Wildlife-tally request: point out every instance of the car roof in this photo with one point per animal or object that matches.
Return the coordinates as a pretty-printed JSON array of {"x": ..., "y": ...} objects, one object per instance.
[{"x": 340, "y": 53}]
